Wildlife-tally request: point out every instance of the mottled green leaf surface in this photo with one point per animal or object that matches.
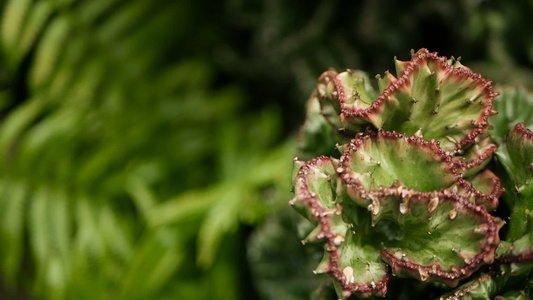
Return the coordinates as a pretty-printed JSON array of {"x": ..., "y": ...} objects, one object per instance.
[
  {"x": 383, "y": 159},
  {"x": 484, "y": 286},
  {"x": 351, "y": 253},
  {"x": 434, "y": 235},
  {"x": 442, "y": 99}
]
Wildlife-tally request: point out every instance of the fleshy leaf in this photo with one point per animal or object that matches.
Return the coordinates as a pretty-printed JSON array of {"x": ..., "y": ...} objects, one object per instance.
[
  {"x": 430, "y": 232},
  {"x": 384, "y": 159},
  {"x": 514, "y": 295},
  {"x": 350, "y": 90},
  {"x": 489, "y": 285},
  {"x": 476, "y": 157},
  {"x": 483, "y": 287},
  {"x": 355, "y": 266},
  {"x": 446, "y": 101},
  {"x": 518, "y": 253},
  {"x": 374, "y": 161},
  {"x": 489, "y": 188},
  {"x": 440, "y": 237},
  {"x": 516, "y": 156}
]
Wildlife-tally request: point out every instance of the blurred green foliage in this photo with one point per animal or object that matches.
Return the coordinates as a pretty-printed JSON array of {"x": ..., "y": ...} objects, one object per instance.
[
  {"x": 125, "y": 170},
  {"x": 142, "y": 142}
]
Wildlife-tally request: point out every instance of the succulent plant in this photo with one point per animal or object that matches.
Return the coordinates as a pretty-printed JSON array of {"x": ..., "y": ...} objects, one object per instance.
[{"x": 403, "y": 185}]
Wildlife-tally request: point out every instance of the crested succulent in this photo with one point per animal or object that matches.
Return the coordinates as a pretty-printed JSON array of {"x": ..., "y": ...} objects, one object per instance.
[{"x": 403, "y": 183}]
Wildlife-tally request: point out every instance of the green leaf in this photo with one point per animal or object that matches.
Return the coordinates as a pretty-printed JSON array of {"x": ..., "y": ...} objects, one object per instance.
[
  {"x": 384, "y": 159},
  {"x": 48, "y": 51},
  {"x": 516, "y": 155},
  {"x": 13, "y": 198},
  {"x": 189, "y": 206},
  {"x": 438, "y": 237},
  {"x": 351, "y": 257},
  {"x": 484, "y": 286},
  {"x": 40, "y": 13},
  {"x": 448, "y": 103},
  {"x": 13, "y": 19},
  {"x": 222, "y": 219}
]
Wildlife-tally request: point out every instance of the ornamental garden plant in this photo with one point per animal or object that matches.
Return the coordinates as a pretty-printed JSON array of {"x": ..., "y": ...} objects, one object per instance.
[{"x": 424, "y": 184}]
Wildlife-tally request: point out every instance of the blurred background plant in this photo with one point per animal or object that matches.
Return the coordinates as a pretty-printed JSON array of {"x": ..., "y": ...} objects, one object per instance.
[{"x": 145, "y": 146}]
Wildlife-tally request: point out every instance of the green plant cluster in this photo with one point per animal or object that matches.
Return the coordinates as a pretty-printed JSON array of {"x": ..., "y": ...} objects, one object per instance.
[{"x": 408, "y": 194}]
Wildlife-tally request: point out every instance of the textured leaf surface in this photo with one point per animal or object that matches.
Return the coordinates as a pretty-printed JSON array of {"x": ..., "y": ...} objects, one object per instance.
[
  {"x": 476, "y": 157},
  {"x": 437, "y": 237},
  {"x": 490, "y": 285},
  {"x": 516, "y": 253},
  {"x": 484, "y": 286},
  {"x": 514, "y": 295},
  {"x": 354, "y": 263},
  {"x": 371, "y": 206},
  {"x": 374, "y": 161},
  {"x": 516, "y": 157},
  {"x": 446, "y": 101},
  {"x": 488, "y": 184},
  {"x": 382, "y": 159},
  {"x": 347, "y": 91}
]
